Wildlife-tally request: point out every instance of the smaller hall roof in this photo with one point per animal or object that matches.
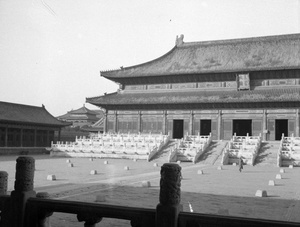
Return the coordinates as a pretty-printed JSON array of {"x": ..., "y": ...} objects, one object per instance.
[
  {"x": 26, "y": 114},
  {"x": 83, "y": 110},
  {"x": 234, "y": 55}
]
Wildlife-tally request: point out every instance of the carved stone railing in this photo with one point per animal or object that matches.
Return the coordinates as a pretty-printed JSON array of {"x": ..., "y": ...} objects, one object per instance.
[{"x": 25, "y": 208}]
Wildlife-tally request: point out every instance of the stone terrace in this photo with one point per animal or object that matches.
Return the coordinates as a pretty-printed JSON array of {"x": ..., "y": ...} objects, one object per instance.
[{"x": 225, "y": 192}]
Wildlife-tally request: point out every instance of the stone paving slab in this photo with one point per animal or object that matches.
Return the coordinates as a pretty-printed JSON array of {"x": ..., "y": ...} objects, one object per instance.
[{"x": 226, "y": 191}]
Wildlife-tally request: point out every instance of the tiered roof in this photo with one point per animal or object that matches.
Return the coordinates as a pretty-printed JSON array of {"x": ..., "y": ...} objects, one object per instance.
[
  {"x": 204, "y": 59},
  {"x": 25, "y": 114},
  {"x": 196, "y": 98},
  {"x": 235, "y": 55}
]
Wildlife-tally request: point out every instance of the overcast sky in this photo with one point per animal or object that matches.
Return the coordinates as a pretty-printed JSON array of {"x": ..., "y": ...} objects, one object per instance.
[{"x": 52, "y": 51}]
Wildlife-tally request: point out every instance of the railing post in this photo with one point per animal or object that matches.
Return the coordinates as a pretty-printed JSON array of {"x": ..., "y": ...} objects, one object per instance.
[
  {"x": 3, "y": 182},
  {"x": 169, "y": 197},
  {"x": 23, "y": 191}
]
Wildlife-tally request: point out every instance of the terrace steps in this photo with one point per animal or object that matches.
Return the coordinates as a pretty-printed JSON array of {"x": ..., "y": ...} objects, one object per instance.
[
  {"x": 268, "y": 153},
  {"x": 213, "y": 154}
]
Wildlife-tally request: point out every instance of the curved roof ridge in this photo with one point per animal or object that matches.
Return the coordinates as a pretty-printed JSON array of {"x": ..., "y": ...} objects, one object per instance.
[
  {"x": 242, "y": 40},
  {"x": 141, "y": 64}
]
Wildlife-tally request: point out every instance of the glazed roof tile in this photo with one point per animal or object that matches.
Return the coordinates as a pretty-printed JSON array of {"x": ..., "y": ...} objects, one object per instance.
[
  {"x": 193, "y": 96},
  {"x": 19, "y": 113},
  {"x": 235, "y": 55}
]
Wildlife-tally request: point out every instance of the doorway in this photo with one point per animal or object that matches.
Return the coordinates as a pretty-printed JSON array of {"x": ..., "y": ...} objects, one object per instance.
[
  {"x": 281, "y": 127},
  {"x": 177, "y": 129},
  {"x": 242, "y": 127},
  {"x": 205, "y": 127}
]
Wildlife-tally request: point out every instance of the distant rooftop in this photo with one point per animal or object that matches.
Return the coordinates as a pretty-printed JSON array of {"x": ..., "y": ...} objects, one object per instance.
[{"x": 19, "y": 113}]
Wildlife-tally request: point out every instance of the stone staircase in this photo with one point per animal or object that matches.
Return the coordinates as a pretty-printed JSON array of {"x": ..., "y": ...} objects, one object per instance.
[
  {"x": 267, "y": 154},
  {"x": 213, "y": 154},
  {"x": 164, "y": 153}
]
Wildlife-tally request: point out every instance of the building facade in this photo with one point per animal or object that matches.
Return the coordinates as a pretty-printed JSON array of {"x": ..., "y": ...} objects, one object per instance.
[
  {"x": 26, "y": 128},
  {"x": 224, "y": 87}
]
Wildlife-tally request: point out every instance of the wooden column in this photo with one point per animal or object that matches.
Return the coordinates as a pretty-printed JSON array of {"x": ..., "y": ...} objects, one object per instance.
[
  {"x": 47, "y": 142},
  {"x": 34, "y": 144},
  {"x": 139, "y": 121},
  {"x": 116, "y": 122},
  {"x": 165, "y": 123},
  {"x": 59, "y": 133},
  {"x": 21, "y": 137},
  {"x": 297, "y": 123},
  {"x": 6, "y": 136},
  {"x": 265, "y": 126},
  {"x": 191, "y": 123},
  {"x": 105, "y": 122},
  {"x": 219, "y": 124}
]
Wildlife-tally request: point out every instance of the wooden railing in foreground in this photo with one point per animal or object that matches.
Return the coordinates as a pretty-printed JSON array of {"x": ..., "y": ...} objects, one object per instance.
[{"x": 25, "y": 208}]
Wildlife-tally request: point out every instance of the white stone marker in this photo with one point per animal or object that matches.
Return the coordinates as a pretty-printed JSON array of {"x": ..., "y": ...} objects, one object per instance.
[
  {"x": 282, "y": 171},
  {"x": 291, "y": 166},
  {"x": 278, "y": 176},
  {"x": 93, "y": 172},
  {"x": 234, "y": 164},
  {"x": 261, "y": 193},
  {"x": 105, "y": 162},
  {"x": 134, "y": 160},
  {"x": 100, "y": 198},
  {"x": 219, "y": 167},
  {"x": 51, "y": 177},
  {"x": 200, "y": 172},
  {"x": 68, "y": 161},
  {"x": 126, "y": 168},
  {"x": 271, "y": 183},
  {"x": 146, "y": 184},
  {"x": 155, "y": 165},
  {"x": 91, "y": 159},
  {"x": 71, "y": 165},
  {"x": 178, "y": 162}
]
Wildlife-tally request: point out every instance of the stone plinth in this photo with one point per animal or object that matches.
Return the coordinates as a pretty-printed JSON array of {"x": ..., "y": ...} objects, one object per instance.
[
  {"x": 93, "y": 172},
  {"x": 126, "y": 168},
  {"x": 271, "y": 183},
  {"x": 51, "y": 177},
  {"x": 220, "y": 168},
  {"x": 278, "y": 176},
  {"x": 261, "y": 193},
  {"x": 146, "y": 184},
  {"x": 200, "y": 172},
  {"x": 282, "y": 171},
  {"x": 105, "y": 162}
]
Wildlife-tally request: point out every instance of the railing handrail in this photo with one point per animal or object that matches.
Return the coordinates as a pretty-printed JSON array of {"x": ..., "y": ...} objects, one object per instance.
[
  {"x": 186, "y": 219},
  {"x": 77, "y": 207}
]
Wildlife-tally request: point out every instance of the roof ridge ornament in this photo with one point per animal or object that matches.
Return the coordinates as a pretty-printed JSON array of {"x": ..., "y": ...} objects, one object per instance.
[{"x": 179, "y": 40}]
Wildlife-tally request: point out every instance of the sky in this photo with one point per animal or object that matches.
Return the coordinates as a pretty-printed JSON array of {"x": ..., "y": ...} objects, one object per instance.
[{"x": 52, "y": 51}]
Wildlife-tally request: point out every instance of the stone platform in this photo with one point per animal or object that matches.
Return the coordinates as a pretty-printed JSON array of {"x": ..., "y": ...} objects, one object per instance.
[{"x": 225, "y": 191}]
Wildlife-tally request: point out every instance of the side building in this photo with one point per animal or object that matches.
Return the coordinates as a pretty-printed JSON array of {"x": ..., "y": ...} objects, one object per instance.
[
  {"x": 26, "y": 129},
  {"x": 240, "y": 86}
]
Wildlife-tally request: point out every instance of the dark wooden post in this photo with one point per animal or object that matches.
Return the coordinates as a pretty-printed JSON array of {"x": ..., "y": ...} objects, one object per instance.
[
  {"x": 169, "y": 197},
  {"x": 23, "y": 191},
  {"x": 3, "y": 182},
  {"x": 43, "y": 215}
]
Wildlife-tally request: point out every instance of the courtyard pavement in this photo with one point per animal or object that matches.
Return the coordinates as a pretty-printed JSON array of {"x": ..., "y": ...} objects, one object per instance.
[{"x": 225, "y": 192}]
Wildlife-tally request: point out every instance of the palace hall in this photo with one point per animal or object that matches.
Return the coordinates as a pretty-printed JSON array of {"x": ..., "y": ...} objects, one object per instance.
[{"x": 243, "y": 86}]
